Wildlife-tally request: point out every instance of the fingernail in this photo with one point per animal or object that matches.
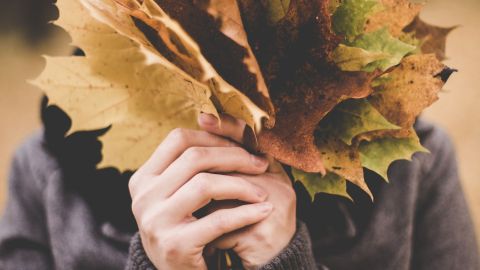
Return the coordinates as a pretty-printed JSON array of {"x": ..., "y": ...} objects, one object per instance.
[
  {"x": 208, "y": 119},
  {"x": 259, "y": 161},
  {"x": 265, "y": 207}
]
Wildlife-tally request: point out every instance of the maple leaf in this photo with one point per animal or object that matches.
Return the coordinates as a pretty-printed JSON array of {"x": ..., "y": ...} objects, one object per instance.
[
  {"x": 108, "y": 87},
  {"x": 408, "y": 89},
  {"x": 341, "y": 159},
  {"x": 352, "y": 118},
  {"x": 314, "y": 183},
  {"x": 304, "y": 83},
  {"x": 382, "y": 42},
  {"x": 335, "y": 135},
  {"x": 355, "y": 59},
  {"x": 394, "y": 14},
  {"x": 377, "y": 155},
  {"x": 351, "y": 15},
  {"x": 172, "y": 44},
  {"x": 433, "y": 38},
  {"x": 228, "y": 12},
  {"x": 328, "y": 86}
]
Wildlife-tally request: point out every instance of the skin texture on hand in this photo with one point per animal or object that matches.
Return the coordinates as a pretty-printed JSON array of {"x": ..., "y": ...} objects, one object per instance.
[
  {"x": 189, "y": 170},
  {"x": 257, "y": 244}
]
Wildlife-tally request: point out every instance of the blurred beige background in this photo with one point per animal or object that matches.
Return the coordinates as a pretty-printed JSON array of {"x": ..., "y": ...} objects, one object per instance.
[{"x": 458, "y": 109}]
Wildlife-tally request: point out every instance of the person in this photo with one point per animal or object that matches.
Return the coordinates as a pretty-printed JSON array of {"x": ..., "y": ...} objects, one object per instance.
[{"x": 201, "y": 191}]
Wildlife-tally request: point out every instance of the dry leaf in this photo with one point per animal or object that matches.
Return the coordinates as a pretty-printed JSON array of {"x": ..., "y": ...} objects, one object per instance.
[
  {"x": 411, "y": 87},
  {"x": 395, "y": 15},
  {"x": 171, "y": 42},
  {"x": 433, "y": 38},
  {"x": 108, "y": 87}
]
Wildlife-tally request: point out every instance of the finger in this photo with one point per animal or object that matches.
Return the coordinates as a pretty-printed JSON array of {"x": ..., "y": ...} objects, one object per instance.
[
  {"x": 205, "y": 187},
  {"x": 211, "y": 227},
  {"x": 230, "y": 127},
  {"x": 227, "y": 241},
  {"x": 209, "y": 159},
  {"x": 176, "y": 143}
]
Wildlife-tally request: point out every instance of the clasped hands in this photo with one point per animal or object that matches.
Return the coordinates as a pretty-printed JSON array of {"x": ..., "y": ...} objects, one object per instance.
[{"x": 191, "y": 169}]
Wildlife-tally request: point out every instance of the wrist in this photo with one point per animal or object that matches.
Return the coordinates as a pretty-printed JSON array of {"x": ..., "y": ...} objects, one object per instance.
[
  {"x": 271, "y": 249},
  {"x": 297, "y": 254}
]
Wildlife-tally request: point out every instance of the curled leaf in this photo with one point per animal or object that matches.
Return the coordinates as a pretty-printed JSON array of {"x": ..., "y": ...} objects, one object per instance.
[{"x": 171, "y": 39}]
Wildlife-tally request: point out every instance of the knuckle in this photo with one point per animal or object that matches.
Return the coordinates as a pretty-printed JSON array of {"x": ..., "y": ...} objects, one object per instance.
[
  {"x": 220, "y": 222},
  {"x": 147, "y": 226},
  {"x": 170, "y": 247},
  {"x": 290, "y": 193},
  {"x": 200, "y": 184},
  {"x": 132, "y": 184},
  {"x": 263, "y": 234},
  {"x": 179, "y": 135},
  {"x": 259, "y": 237},
  {"x": 137, "y": 208},
  {"x": 195, "y": 154}
]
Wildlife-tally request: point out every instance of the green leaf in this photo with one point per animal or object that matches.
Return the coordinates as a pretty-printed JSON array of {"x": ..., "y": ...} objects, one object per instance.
[
  {"x": 355, "y": 59},
  {"x": 354, "y": 117},
  {"x": 315, "y": 183},
  {"x": 377, "y": 155},
  {"x": 276, "y": 9},
  {"x": 382, "y": 41},
  {"x": 350, "y": 17}
]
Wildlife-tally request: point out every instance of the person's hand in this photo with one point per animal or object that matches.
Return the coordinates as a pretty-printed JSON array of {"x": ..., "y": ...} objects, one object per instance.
[
  {"x": 256, "y": 245},
  {"x": 179, "y": 179}
]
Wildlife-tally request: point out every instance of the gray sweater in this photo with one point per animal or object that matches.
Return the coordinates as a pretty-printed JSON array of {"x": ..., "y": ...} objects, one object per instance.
[{"x": 419, "y": 220}]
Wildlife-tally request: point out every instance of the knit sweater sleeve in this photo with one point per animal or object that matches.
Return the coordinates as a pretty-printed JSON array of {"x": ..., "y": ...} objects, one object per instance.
[
  {"x": 297, "y": 255},
  {"x": 23, "y": 234},
  {"x": 138, "y": 259}
]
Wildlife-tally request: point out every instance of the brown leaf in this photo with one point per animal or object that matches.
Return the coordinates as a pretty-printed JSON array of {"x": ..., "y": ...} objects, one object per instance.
[
  {"x": 303, "y": 81},
  {"x": 434, "y": 38},
  {"x": 310, "y": 98},
  {"x": 409, "y": 89},
  {"x": 396, "y": 14}
]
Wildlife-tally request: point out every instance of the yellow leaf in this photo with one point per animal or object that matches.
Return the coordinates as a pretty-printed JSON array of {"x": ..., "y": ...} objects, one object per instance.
[
  {"x": 115, "y": 85},
  {"x": 395, "y": 15},
  {"x": 184, "y": 54}
]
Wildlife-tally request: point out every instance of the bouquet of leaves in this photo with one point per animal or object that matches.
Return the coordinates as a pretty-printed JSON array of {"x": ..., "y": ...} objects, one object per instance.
[{"x": 327, "y": 86}]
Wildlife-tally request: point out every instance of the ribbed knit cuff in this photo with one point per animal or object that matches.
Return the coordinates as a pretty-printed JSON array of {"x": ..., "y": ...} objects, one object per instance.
[
  {"x": 297, "y": 255},
  {"x": 138, "y": 259}
]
